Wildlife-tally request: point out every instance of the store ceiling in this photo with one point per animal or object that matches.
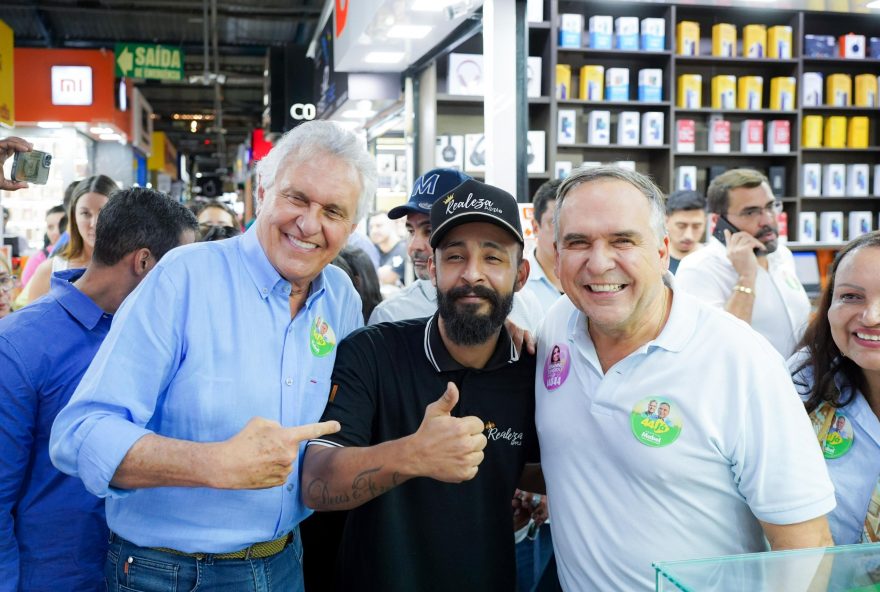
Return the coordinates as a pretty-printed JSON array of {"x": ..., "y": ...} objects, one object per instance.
[{"x": 246, "y": 28}]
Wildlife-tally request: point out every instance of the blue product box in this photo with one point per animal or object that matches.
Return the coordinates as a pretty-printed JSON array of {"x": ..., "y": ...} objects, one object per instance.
[
  {"x": 628, "y": 42},
  {"x": 600, "y": 40},
  {"x": 819, "y": 46},
  {"x": 874, "y": 47},
  {"x": 650, "y": 94},
  {"x": 600, "y": 28},
  {"x": 653, "y": 34},
  {"x": 653, "y": 42}
]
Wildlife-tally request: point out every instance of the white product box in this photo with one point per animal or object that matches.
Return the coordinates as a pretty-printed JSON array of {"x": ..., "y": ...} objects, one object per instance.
[
  {"x": 617, "y": 84},
  {"x": 685, "y": 135},
  {"x": 752, "y": 136},
  {"x": 600, "y": 29},
  {"x": 626, "y": 31},
  {"x": 566, "y": 131},
  {"x": 465, "y": 74},
  {"x": 629, "y": 165},
  {"x": 719, "y": 135},
  {"x": 686, "y": 178},
  {"x": 857, "y": 180},
  {"x": 852, "y": 46},
  {"x": 628, "y": 128},
  {"x": 877, "y": 182},
  {"x": 833, "y": 180},
  {"x": 571, "y": 27},
  {"x": 650, "y": 85},
  {"x": 779, "y": 136},
  {"x": 807, "y": 227},
  {"x": 587, "y": 164},
  {"x": 813, "y": 85},
  {"x": 652, "y": 128},
  {"x": 812, "y": 180},
  {"x": 536, "y": 151},
  {"x": 599, "y": 128},
  {"x": 533, "y": 76},
  {"x": 859, "y": 224},
  {"x": 653, "y": 34},
  {"x": 475, "y": 153},
  {"x": 563, "y": 169},
  {"x": 831, "y": 227},
  {"x": 535, "y": 11},
  {"x": 449, "y": 152}
]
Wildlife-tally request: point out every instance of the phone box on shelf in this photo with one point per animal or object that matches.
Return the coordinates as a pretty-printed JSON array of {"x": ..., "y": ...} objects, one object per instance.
[
  {"x": 465, "y": 74},
  {"x": 533, "y": 76},
  {"x": 839, "y": 90},
  {"x": 724, "y": 40},
  {"x": 566, "y": 132},
  {"x": 687, "y": 38},
  {"x": 626, "y": 32},
  {"x": 833, "y": 180},
  {"x": 835, "y": 132},
  {"x": 690, "y": 89},
  {"x": 812, "y": 132},
  {"x": 776, "y": 176},
  {"x": 724, "y": 92},
  {"x": 754, "y": 41},
  {"x": 475, "y": 153},
  {"x": 599, "y": 128},
  {"x": 811, "y": 182},
  {"x": 449, "y": 152},
  {"x": 650, "y": 85},
  {"x": 782, "y": 93},
  {"x": 600, "y": 28},
  {"x": 852, "y": 46},
  {"x": 813, "y": 87},
  {"x": 719, "y": 135},
  {"x": 857, "y": 134},
  {"x": 628, "y": 123},
  {"x": 685, "y": 135},
  {"x": 652, "y": 128},
  {"x": 866, "y": 91},
  {"x": 877, "y": 183},
  {"x": 819, "y": 46},
  {"x": 563, "y": 169},
  {"x": 629, "y": 165},
  {"x": 563, "y": 81},
  {"x": 653, "y": 34},
  {"x": 831, "y": 227},
  {"x": 779, "y": 136},
  {"x": 807, "y": 227},
  {"x": 535, "y": 11},
  {"x": 686, "y": 178},
  {"x": 859, "y": 224},
  {"x": 571, "y": 27},
  {"x": 714, "y": 171},
  {"x": 592, "y": 83},
  {"x": 752, "y": 136},
  {"x": 751, "y": 92},
  {"x": 536, "y": 151},
  {"x": 779, "y": 42},
  {"x": 874, "y": 47},
  {"x": 857, "y": 180},
  {"x": 617, "y": 84}
]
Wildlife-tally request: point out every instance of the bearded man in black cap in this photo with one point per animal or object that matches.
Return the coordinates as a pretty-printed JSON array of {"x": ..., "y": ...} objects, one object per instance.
[{"x": 437, "y": 418}]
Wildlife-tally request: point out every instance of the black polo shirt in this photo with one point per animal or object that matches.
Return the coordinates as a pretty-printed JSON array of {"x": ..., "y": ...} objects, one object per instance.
[{"x": 427, "y": 535}]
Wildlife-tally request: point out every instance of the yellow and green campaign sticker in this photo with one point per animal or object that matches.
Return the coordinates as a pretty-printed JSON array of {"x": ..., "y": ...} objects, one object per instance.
[
  {"x": 656, "y": 421},
  {"x": 840, "y": 437},
  {"x": 322, "y": 339}
]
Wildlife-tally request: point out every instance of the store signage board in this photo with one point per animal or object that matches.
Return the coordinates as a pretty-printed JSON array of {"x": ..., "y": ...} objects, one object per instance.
[
  {"x": 7, "y": 80},
  {"x": 149, "y": 61},
  {"x": 71, "y": 85}
]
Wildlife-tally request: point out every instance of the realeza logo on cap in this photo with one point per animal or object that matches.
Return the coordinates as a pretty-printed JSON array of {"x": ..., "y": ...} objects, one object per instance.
[
  {"x": 472, "y": 204},
  {"x": 484, "y": 203}
]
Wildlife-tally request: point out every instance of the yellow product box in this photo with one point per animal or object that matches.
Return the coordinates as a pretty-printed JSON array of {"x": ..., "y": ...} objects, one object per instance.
[
  {"x": 754, "y": 41},
  {"x": 835, "y": 132},
  {"x": 690, "y": 91},
  {"x": 592, "y": 83},
  {"x": 779, "y": 42},
  {"x": 838, "y": 90},
  {"x": 687, "y": 38},
  {"x": 724, "y": 40},
  {"x": 866, "y": 91},
  {"x": 563, "y": 82},
  {"x": 782, "y": 93},
  {"x": 751, "y": 92},
  {"x": 724, "y": 92},
  {"x": 857, "y": 136},
  {"x": 812, "y": 131}
]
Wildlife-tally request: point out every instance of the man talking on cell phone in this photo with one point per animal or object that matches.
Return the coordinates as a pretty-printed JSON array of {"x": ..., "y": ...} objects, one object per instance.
[{"x": 749, "y": 274}]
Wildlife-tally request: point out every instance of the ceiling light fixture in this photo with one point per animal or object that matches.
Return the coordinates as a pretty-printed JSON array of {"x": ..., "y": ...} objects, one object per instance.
[
  {"x": 384, "y": 57},
  {"x": 409, "y": 31}
]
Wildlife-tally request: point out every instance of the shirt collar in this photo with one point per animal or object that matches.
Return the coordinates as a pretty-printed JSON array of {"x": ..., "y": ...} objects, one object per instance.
[
  {"x": 80, "y": 306},
  {"x": 442, "y": 361}
]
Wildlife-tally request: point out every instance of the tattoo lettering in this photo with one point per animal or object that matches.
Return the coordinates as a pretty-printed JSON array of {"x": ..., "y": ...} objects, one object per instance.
[
  {"x": 318, "y": 490},
  {"x": 364, "y": 487}
]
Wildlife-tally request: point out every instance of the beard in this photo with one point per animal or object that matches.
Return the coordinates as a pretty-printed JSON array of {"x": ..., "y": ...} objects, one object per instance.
[
  {"x": 772, "y": 245},
  {"x": 463, "y": 324}
]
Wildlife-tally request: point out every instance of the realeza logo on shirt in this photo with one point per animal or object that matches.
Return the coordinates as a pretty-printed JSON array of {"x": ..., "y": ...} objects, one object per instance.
[{"x": 494, "y": 433}]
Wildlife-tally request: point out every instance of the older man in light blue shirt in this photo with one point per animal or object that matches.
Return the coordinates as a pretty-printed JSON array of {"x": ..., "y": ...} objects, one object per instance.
[{"x": 191, "y": 418}]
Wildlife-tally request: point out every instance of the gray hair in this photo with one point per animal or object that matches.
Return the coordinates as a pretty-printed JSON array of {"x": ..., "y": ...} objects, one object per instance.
[
  {"x": 316, "y": 137},
  {"x": 597, "y": 173}
]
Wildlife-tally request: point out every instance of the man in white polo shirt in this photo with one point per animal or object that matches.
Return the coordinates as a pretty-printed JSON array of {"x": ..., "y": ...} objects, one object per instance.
[
  {"x": 748, "y": 274},
  {"x": 729, "y": 457}
]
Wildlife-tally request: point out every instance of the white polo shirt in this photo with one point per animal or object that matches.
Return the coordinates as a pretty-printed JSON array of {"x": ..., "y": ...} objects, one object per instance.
[
  {"x": 782, "y": 307},
  {"x": 626, "y": 491}
]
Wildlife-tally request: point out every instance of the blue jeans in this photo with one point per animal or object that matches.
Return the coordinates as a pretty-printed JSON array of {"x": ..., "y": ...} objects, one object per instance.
[
  {"x": 130, "y": 568},
  {"x": 534, "y": 572}
]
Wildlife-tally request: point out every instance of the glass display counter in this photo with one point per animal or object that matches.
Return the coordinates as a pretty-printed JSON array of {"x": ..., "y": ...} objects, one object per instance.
[{"x": 847, "y": 568}]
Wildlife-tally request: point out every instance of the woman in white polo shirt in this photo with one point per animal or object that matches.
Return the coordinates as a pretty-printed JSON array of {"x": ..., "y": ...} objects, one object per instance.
[{"x": 837, "y": 372}]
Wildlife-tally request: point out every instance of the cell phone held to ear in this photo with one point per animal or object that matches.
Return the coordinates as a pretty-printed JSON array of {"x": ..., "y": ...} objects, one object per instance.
[
  {"x": 723, "y": 224},
  {"x": 31, "y": 167}
]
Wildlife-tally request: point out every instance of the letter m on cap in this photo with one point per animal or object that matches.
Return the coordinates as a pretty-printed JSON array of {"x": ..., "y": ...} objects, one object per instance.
[{"x": 426, "y": 185}]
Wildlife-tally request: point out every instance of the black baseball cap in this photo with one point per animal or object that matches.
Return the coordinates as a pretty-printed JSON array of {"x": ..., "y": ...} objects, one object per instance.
[
  {"x": 473, "y": 201},
  {"x": 426, "y": 189}
]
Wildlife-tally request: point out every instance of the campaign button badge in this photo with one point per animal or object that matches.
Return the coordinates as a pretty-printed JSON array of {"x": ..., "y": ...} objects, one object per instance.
[
  {"x": 322, "y": 339},
  {"x": 656, "y": 421},
  {"x": 840, "y": 437},
  {"x": 557, "y": 366}
]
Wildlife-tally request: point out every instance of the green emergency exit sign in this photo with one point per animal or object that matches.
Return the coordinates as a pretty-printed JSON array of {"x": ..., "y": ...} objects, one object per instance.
[{"x": 143, "y": 60}]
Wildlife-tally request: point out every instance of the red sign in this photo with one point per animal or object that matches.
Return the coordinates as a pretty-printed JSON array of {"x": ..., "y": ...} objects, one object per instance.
[{"x": 341, "y": 16}]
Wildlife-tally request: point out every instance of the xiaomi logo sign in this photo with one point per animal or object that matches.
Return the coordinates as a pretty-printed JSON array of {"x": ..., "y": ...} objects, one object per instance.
[{"x": 71, "y": 85}]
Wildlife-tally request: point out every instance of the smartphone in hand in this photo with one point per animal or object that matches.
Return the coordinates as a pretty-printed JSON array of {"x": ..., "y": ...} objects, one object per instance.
[
  {"x": 31, "y": 167},
  {"x": 723, "y": 223}
]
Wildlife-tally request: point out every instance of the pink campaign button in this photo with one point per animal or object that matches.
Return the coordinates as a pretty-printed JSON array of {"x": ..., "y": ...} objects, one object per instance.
[{"x": 556, "y": 367}]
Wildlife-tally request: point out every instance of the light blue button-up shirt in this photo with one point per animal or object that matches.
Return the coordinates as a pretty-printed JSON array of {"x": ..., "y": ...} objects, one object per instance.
[{"x": 203, "y": 345}]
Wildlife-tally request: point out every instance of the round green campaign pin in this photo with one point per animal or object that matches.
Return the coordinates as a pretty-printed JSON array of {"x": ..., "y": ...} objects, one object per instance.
[
  {"x": 839, "y": 438},
  {"x": 656, "y": 421},
  {"x": 322, "y": 339}
]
